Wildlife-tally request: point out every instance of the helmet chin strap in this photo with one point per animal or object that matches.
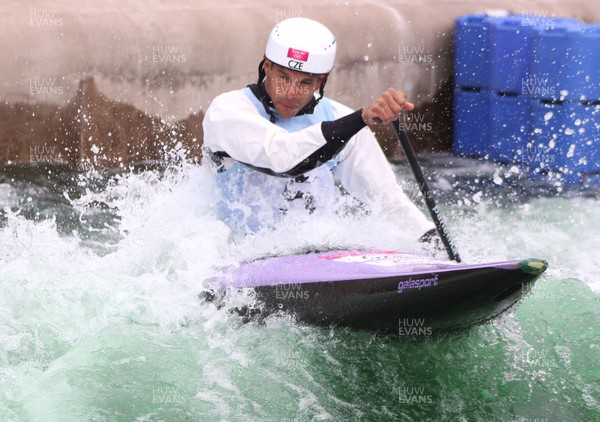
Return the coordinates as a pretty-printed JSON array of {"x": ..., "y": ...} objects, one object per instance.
[
  {"x": 261, "y": 93},
  {"x": 267, "y": 102},
  {"x": 261, "y": 71}
]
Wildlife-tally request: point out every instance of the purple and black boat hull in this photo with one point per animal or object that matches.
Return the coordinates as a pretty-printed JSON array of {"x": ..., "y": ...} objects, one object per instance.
[{"x": 384, "y": 291}]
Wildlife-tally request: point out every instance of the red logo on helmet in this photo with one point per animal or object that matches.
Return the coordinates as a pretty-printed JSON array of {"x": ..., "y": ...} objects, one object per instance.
[{"x": 297, "y": 54}]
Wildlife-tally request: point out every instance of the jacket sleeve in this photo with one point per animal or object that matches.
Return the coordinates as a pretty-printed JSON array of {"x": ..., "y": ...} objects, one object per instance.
[
  {"x": 366, "y": 174},
  {"x": 233, "y": 125}
]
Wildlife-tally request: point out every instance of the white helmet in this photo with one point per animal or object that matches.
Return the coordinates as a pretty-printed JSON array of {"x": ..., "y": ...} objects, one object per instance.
[{"x": 303, "y": 45}]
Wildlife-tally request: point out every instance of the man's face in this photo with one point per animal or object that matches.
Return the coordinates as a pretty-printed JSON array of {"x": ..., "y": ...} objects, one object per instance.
[{"x": 289, "y": 90}]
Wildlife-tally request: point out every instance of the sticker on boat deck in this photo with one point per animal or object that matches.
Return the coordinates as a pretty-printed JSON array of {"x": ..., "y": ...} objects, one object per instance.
[
  {"x": 382, "y": 258},
  {"x": 418, "y": 283}
]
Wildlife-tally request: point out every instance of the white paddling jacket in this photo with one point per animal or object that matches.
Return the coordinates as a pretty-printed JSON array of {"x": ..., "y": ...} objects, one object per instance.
[{"x": 266, "y": 165}]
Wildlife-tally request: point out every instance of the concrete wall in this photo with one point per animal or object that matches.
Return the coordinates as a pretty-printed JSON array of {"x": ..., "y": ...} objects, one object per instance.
[{"x": 113, "y": 82}]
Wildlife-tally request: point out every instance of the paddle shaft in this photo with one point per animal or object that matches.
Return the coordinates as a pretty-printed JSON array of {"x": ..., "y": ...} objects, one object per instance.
[{"x": 424, "y": 187}]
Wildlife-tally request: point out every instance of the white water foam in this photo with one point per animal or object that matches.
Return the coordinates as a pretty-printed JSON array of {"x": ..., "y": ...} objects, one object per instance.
[{"x": 67, "y": 310}]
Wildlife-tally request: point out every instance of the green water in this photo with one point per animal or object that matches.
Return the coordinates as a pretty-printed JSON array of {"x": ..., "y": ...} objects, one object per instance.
[{"x": 100, "y": 317}]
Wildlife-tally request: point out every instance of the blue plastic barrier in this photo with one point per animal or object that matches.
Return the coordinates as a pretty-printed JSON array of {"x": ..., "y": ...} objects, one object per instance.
[
  {"x": 554, "y": 62},
  {"x": 544, "y": 150},
  {"x": 563, "y": 139},
  {"x": 510, "y": 54},
  {"x": 586, "y": 53},
  {"x": 471, "y": 122},
  {"x": 472, "y": 51},
  {"x": 528, "y": 91},
  {"x": 509, "y": 126},
  {"x": 582, "y": 128}
]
